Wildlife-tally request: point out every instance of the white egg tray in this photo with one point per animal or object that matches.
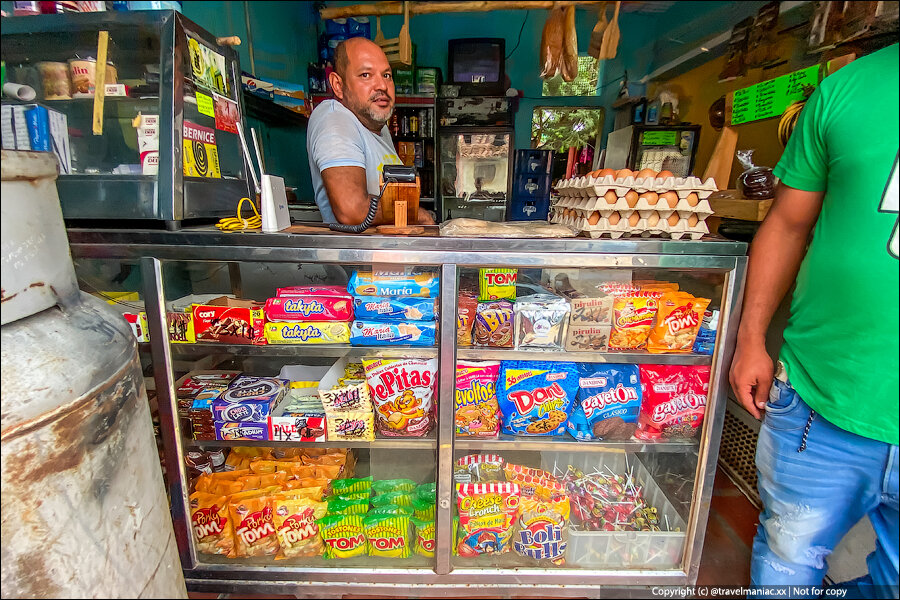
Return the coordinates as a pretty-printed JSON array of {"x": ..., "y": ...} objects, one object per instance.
[
  {"x": 588, "y": 186},
  {"x": 621, "y": 205},
  {"x": 649, "y": 223}
]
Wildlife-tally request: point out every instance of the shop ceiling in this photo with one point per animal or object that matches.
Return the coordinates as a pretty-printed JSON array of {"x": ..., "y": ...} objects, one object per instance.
[{"x": 424, "y": 8}]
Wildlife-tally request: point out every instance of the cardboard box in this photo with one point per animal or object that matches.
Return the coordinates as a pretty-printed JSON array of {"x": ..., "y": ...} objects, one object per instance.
[
  {"x": 258, "y": 87},
  {"x": 591, "y": 311},
  {"x": 249, "y": 399},
  {"x": 181, "y": 327},
  {"x": 306, "y": 425},
  {"x": 588, "y": 338},
  {"x": 195, "y": 382},
  {"x": 226, "y": 320}
]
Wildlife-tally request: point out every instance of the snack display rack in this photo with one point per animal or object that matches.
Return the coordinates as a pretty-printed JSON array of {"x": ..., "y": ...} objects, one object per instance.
[{"x": 638, "y": 563}]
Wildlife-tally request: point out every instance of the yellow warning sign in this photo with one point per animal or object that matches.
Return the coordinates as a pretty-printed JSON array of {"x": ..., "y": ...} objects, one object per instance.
[{"x": 200, "y": 156}]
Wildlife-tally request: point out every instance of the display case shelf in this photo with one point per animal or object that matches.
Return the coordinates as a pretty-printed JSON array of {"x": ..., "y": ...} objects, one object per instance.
[
  {"x": 590, "y": 357},
  {"x": 331, "y": 350},
  {"x": 424, "y": 443},
  {"x": 569, "y": 444}
]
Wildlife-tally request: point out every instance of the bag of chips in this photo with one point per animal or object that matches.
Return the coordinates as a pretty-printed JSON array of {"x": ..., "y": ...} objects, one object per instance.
[
  {"x": 344, "y": 536},
  {"x": 674, "y": 402},
  {"x": 388, "y": 535},
  {"x": 339, "y": 505},
  {"x": 340, "y": 487},
  {"x": 609, "y": 399},
  {"x": 398, "y": 498},
  {"x": 211, "y": 523},
  {"x": 254, "y": 528},
  {"x": 542, "y": 528},
  {"x": 677, "y": 323},
  {"x": 425, "y": 543},
  {"x": 295, "y": 525},
  {"x": 477, "y": 412},
  {"x": 534, "y": 482},
  {"x": 497, "y": 284},
  {"x": 478, "y": 468},
  {"x": 383, "y": 486},
  {"x": 536, "y": 397},
  {"x": 633, "y": 317},
  {"x": 486, "y": 515},
  {"x": 465, "y": 318}
]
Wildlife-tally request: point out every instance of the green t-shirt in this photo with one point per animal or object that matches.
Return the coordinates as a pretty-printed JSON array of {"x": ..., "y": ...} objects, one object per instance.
[{"x": 841, "y": 343}]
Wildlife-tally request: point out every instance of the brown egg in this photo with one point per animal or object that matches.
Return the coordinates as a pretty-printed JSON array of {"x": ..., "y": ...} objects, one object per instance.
[
  {"x": 673, "y": 219},
  {"x": 623, "y": 173},
  {"x": 614, "y": 218},
  {"x": 671, "y": 198},
  {"x": 665, "y": 175},
  {"x": 594, "y": 173},
  {"x": 610, "y": 197},
  {"x": 645, "y": 173},
  {"x": 693, "y": 220},
  {"x": 653, "y": 219},
  {"x": 693, "y": 199},
  {"x": 651, "y": 197},
  {"x": 631, "y": 198},
  {"x": 595, "y": 218},
  {"x": 633, "y": 219},
  {"x": 605, "y": 172}
]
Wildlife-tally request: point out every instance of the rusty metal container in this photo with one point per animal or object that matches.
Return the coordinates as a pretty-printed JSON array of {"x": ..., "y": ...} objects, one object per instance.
[{"x": 84, "y": 510}]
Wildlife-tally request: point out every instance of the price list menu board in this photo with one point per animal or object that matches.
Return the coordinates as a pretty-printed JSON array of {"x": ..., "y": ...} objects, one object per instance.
[{"x": 771, "y": 98}]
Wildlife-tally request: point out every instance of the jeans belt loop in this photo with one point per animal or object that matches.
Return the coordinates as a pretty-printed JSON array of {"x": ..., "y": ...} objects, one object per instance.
[{"x": 781, "y": 373}]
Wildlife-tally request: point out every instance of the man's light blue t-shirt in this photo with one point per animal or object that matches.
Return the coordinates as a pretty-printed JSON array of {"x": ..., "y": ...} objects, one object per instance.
[{"x": 336, "y": 138}]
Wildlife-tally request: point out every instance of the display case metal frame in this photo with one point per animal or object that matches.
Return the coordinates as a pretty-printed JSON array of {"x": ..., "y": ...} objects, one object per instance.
[
  {"x": 152, "y": 248},
  {"x": 168, "y": 196}
]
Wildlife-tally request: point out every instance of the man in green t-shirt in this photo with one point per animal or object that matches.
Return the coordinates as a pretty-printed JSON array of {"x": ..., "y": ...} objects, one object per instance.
[{"x": 827, "y": 450}]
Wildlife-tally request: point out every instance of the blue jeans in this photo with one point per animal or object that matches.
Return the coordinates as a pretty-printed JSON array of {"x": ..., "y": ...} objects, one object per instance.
[{"x": 811, "y": 498}]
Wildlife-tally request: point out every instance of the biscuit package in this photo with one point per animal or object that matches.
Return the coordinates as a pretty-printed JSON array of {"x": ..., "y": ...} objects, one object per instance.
[
  {"x": 609, "y": 400},
  {"x": 477, "y": 412},
  {"x": 536, "y": 397},
  {"x": 394, "y": 309},
  {"x": 677, "y": 322},
  {"x": 494, "y": 324},
  {"x": 211, "y": 523},
  {"x": 674, "y": 401},
  {"x": 486, "y": 515},
  {"x": 402, "y": 392},
  {"x": 377, "y": 333},
  {"x": 541, "y": 321},
  {"x": 465, "y": 318},
  {"x": 497, "y": 284},
  {"x": 386, "y": 283},
  {"x": 289, "y": 332},
  {"x": 633, "y": 318},
  {"x": 331, "y": 303}
]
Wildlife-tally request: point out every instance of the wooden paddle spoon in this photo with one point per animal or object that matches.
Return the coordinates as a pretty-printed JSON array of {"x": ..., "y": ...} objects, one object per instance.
[
  {"x": 611, "y": 36},
  {"x": 597, "y": 33}
]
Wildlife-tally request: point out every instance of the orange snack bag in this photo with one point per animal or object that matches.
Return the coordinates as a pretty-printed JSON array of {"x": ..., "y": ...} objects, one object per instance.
[
  {"x": 261, "y": 467},
  {"x": 226, "y": 487},
  {"x": 295, "y": 519},
  {"x": 254, "y": 529},
  {"x": 211, "y": 523},
  {"x": 295, "y": 491},
  {"x": 328, "y": 471},
  {"x": 633, "y": 317},
  {"x": 677, "y": 323},
  {"x": 302, "y": 472}
]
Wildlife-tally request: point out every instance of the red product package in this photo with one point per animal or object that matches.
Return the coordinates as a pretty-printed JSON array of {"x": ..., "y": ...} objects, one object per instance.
[
  {"x": 674, "y": 401},
  {"x": 230, "y": 321},
  {"x": 328, "y": 303}
]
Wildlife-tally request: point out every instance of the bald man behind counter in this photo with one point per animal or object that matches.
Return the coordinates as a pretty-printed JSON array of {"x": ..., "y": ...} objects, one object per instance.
[{"x": 347, "y": 139}]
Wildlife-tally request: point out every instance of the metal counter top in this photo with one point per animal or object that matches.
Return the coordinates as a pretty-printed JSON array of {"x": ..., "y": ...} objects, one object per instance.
[{"x": 137, "y": 242}]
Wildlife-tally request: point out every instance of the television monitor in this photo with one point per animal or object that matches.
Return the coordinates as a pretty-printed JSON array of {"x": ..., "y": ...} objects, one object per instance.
[{"x": 478, "y": 66}]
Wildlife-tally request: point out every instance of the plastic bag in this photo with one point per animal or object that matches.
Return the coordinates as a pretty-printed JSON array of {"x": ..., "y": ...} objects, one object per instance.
[
  {"x": 521, "y": 229},
  {"x": 755, "y": 183}
]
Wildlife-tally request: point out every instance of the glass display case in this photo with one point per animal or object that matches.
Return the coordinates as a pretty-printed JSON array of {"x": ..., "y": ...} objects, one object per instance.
[
  {"x": 165, "y": 146},
  {"x": 543, "y": 415}
]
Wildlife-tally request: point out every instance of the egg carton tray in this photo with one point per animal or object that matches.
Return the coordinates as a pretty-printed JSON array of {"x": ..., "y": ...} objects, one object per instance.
[
  {"x": 643, "y": 203},
  {"x": 587, "y": 186},
  {"x": 644, "y": 226}
]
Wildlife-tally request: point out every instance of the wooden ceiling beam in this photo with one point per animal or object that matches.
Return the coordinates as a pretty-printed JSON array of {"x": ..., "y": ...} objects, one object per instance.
[{"x": 380, "y": 9}]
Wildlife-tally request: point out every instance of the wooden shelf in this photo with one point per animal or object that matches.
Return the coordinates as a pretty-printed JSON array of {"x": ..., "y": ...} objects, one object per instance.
[{"x": 271, "y": 113}]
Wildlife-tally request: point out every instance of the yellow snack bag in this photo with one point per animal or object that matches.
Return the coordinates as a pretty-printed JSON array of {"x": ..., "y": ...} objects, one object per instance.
[
  {"x": 633, "y": 317},
  {"x": 295, "y": 525},
  {"x": 677, "y": 323},
  {"x": 344, "y": 536},
  {"x": 254, "y": 529},
  {"x": 211, "y": 523}
]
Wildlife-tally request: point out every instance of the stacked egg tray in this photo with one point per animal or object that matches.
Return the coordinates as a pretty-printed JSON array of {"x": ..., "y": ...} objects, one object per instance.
[{"x": 675, "y": 207}]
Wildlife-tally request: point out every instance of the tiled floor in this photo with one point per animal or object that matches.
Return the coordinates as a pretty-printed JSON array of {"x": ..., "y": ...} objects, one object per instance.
[{"x": 726, "y": 548}]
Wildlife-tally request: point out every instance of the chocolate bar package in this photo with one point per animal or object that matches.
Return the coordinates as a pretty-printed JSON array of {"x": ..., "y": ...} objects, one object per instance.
[
  {"x": 298, "y": 420},
  {"x": 229, "y": 321},
  {"x": 245, "y": 430}
]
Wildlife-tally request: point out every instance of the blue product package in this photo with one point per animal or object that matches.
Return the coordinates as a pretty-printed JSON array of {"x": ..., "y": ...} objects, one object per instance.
[
  {"x": 377, "y": 333},
  {"x": 705, "y": 342},
  {"x": 241, "y": 411},
  {"x": 393, "y": 309},
  {"x": 38, "y": 120},
  {"x": 249, "y": 399},
  {"x": 394, "y": 285},
  {"x": 535, "y": 397},
  {"x": 609, "y": 401}
]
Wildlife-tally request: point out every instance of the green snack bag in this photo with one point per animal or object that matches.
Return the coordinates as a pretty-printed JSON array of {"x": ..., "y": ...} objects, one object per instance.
[
  {"x": 497, "y": 284},
  {"x": 391, "y": 509},
  {"x": 344, "y": 535},
  {"x": 353, "y": 496},
  {"x": 341, "y": 487},
  {"x": 424, "y": 545},
  {"x": 426, "y": 491},
  {"x": 423, "y": 508},
  {"x": 399, "y": 498},
  {"x": 388, "y": 535},
  {"x": 339, "y": 506},
  {"x": 384, "y": 486}
]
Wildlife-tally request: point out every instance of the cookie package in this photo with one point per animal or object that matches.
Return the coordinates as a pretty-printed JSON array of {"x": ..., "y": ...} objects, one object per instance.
[
  {"x": 289, "y": 332},
  {"x": 609, "y": 400},
  {"x": 376, "y": 333},
  {"x": 535, "y": 397},
  {"x": 385, "y": 283},
  {"x": 494, "y": 324},
  {"x": 394, "y": 309},
  {"x": 674, "y": 402},
  {"x": 331, "y": 303}
]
